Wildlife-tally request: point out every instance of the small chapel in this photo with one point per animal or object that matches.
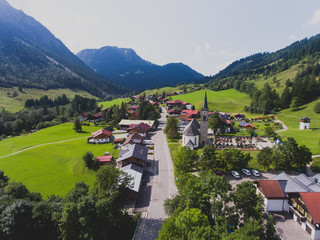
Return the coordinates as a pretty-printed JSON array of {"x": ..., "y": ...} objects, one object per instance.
[{"x": 195, "y": 135}]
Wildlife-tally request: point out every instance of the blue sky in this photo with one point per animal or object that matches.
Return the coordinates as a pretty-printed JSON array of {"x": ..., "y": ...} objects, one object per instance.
[{"x": 207, "y": 35}]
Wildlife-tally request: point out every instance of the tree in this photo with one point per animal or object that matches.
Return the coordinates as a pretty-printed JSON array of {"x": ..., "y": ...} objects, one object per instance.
[
  {"x": 17, "y": 190},
  {"x": 264, "y": 157},
  {"x": 316, "y": 108},
  {"x": 171, "y": 128},
  {"x": 215, "y": 122},
  {"x": 186, "y": 159},
  {"x": 3, "y": 179},
  {"x": 77, "y": 125},
  {"x": 209, "y": 161},
  {"x": 252, "y": 230},
  {"x": 88, "y": 160},
  {"x": 295, "y": 104},
  {"x": 286, "y": 98},
  {"x": 69, "y": 224},
  {"x": 80, "y": 190},
  {"x": 250, "y": 132},
  {"x": 234, "y": 158},
  {"x": 246, "y": 200},
  {"x": 188, "y": 224},
  {"x": 16, "y": 221}
]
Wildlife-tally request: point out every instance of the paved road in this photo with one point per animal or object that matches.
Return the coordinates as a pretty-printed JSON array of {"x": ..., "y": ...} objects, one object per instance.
[{"x": 163, "y": 186}]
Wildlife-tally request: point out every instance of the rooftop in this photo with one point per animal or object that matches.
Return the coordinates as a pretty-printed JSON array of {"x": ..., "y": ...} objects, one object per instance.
[
  {"x": 271, "y": 189},
  {"x": 191, "y": 129},
  {"x": 312, "y": 201}
]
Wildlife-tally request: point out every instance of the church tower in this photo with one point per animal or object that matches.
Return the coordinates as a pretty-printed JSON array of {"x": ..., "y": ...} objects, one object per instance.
[{"x": 204, "y": 122}]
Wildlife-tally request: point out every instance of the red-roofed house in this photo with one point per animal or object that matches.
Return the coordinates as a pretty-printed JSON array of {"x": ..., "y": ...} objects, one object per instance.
[
  {"x": 134, "y": 108},
  {"x": 273, "y": 195},
  {"x": 142, "y": 129},
  {"x": 101, "y": 136},
  {"x": 104, "y": 160},
  {"x": 189, "y": 114},
  {"x": 176, "y": 103},
  {"x": 174, "y": 112},
  {"x": 306, "y": 211}
]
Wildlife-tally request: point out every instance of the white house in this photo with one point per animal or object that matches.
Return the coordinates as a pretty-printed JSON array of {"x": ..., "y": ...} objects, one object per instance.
[
  {"x": 190, "y": 135},
  {"x": 305, "y": 123}
]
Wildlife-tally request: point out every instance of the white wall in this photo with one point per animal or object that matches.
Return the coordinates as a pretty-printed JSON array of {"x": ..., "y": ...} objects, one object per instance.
[
  {"x": 194, "y": 139},
  {"x": 302, "y": 125},
  {"x": 275, "y": 205}
]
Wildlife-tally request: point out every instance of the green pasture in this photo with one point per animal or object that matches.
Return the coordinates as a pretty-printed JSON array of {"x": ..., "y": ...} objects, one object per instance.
[
  {"x": 53, "y": 168},
  {"x": 310, "y": 137},
  {"x": 160, "y": 90},
  {"x": 14, "y": 104},
  {"x": 229, "y": 100},
  {"x": 116, "y": 101}
]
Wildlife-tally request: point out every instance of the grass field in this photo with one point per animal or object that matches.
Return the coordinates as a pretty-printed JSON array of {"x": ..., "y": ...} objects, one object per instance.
[
  {"x": 160, "y": 90},
  {"x": 311, "y": 137},
  {"x": 229, "y": 100},
  {"x": 54, "y": 168},
  {"x": 116, "y": 101},
  {"x": 14, "y": 104}
]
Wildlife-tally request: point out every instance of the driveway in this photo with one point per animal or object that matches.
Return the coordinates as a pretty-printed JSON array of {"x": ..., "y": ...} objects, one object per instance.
[{"x": 287, "y": 228}]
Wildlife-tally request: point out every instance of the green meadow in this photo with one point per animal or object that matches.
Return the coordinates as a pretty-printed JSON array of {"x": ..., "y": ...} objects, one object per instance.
[
  {"x": 116, "y": 101},
  {"x": 51, "y": 168},
  {"x": 310, "y": 137},
  {"x": 229, "y": 100},
  {"x": 14, "y": 104}
]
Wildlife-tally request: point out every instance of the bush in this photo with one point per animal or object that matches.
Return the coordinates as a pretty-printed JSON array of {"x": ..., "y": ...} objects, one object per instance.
[{"x": 316, "y": 108}]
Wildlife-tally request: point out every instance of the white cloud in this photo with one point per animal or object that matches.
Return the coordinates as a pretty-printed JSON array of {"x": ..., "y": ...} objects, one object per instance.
[
  {"x": 315, "y": 18},
  {"x": 207, "y": 46}
]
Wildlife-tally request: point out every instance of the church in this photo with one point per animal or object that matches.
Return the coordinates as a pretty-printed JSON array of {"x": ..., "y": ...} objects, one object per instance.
[{"x": 195, "y": 135}]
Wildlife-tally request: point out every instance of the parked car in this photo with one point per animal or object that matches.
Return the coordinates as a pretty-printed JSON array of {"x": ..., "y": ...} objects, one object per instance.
[
  {"x": 255, "y": 172},
  {"x": 148, "y": 163},
  {"x": 235, "y": 174},
  {"x": 246, "y": 172}
]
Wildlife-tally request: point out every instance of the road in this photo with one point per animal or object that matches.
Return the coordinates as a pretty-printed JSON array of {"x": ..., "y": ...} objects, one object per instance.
[{"x": 163, "y": 186}]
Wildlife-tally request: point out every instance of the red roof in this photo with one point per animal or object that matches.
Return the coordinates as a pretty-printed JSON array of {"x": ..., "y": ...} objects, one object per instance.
[
  {"x": 174, "y": 111},
  {"x": 251, "y": 125},
  {"x": 312, "y": 201},
  {"x": 107, "y": 158},
  {"x": 101, "y": 131},
  {"x": 97, "y": 115},
  {"x": 271, "y": 189},
  {"x": 84, "y": 114},
  {"x": 190, "y": 111},
  {"x": 175, "y": 102}
]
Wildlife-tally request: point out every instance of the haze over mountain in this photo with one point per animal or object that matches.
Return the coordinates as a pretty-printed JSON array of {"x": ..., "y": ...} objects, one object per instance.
[
  {"x": 124, "y": 67},
  {"x": 31, "y": 56}
]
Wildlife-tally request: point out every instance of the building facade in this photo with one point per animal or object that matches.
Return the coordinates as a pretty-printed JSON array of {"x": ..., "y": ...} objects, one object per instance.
[{"x": 204, "y": 114}]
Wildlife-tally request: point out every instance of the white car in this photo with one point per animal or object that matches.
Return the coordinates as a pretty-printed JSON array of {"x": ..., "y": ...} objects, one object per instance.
[
  {"x": 246, "y": 172},
  {"x": 235, "y": 174},
  {"x": 255, "y": 172}
]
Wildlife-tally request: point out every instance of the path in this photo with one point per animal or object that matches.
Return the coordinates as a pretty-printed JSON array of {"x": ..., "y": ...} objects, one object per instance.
[
  {"x": 163, "y": 186},
  {"x": 40, "y": 145},
  {"x": 285, "y": 128}
]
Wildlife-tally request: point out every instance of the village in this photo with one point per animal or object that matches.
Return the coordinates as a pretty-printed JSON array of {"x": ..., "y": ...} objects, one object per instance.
[{"x": 285, "y": 195}]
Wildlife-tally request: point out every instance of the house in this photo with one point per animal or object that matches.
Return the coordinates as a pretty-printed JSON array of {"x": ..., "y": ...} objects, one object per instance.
[
  {"x": 83, "y": 117},
  {"x": 132, "y": 154},
  {"x": 306, "y": 211},
  {"x": 189, "y": 114},
  {"x": 134, "y": 138},
  {"x": 104, "y": 160},
  {"x": 246, "y": 125},
  {"x": 273, "y": 195},
  {"x": 305, "y": 123},
  {"x": 191, "y": 134},
  {"x": 134, "y": 108},
  {"x": 239, "y": 117},
  {"x": 141, "y": 129},
  {"x": 174, "y": 112},
  {"x": 125, "y": 123},
  {"x": 101, "y": 136},
  {"x": 176, "y": 104},
  {"x": 135, "y": 172}
]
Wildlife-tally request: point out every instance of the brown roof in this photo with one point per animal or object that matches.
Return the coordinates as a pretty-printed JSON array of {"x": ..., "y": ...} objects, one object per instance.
[
  {"x": 271, "y": 189},
  {"x": 133, "y": 139},
  {"x": 312, "y": 201},
  {"x": 101, "y": 131}
]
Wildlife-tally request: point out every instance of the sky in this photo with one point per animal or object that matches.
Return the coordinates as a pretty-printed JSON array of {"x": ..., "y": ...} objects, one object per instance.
[{"x": 207, "y": 35}]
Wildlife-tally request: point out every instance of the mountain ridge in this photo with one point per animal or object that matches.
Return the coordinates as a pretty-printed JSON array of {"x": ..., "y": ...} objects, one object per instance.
[
  {"x": 26, "y": 47},
  {"x": 126, "y": 66}
]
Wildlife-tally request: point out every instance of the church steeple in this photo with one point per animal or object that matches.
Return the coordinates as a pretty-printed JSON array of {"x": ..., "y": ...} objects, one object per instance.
[{"x": 205, "y": 103}]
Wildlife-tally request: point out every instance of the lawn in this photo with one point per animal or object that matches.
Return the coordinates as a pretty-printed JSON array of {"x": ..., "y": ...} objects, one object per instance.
[
  {"x": 229, "y": 100},
  {"x": 311, "y": 137},
  {"x": 14, "y": 104},
  {"x": 116, "y": 101},
  {"x": 160, "y": 90},
  {"x": 55, "y": 168}
]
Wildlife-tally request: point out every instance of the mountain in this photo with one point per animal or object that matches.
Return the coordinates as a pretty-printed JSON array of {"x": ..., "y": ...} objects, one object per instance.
[
  {"x": 31, "y": 56},
  {"x": 124, "y": 67}
]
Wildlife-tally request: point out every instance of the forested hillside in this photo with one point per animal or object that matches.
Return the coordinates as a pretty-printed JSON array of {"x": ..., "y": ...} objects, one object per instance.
[
  {"x": 274, "y": 81},
  {"x": 31, "y": 56}
]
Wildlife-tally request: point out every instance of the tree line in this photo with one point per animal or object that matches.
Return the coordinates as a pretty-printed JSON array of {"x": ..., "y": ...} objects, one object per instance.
[
  {"x": 45, "y": 101},
  {"x": 85, "y": 213},
  {"x": 206, "y": 206}
]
